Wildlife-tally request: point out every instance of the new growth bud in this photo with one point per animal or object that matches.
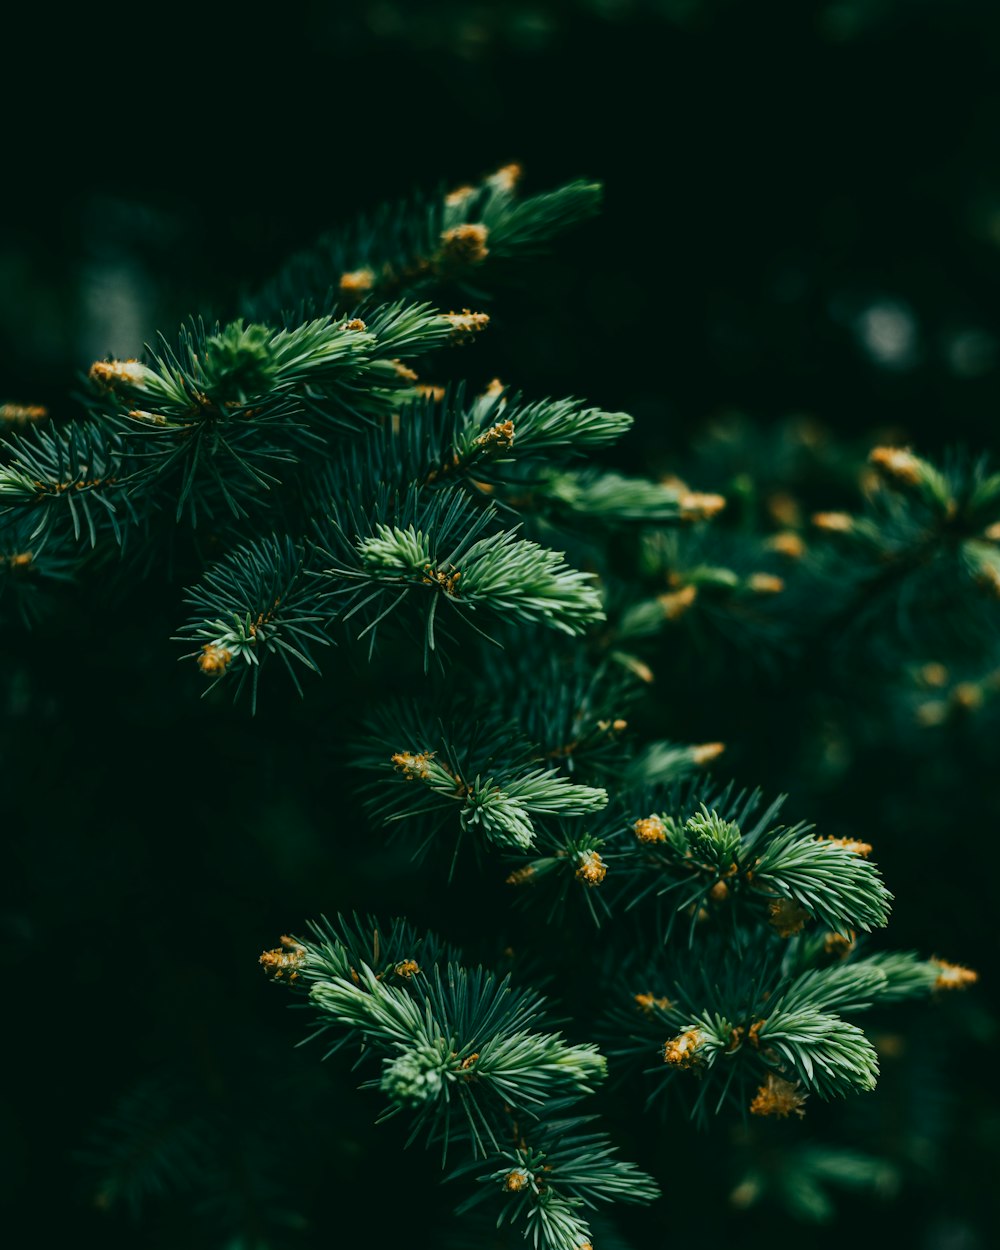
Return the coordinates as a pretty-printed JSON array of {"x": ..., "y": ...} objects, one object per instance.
[
  {"x": 953, "y": 976},
  {"x": 676, "y": 602},
  {"x": 765, "y": 584},
  {"x": 507, "y": 177},
  {"x": 833, "y": 522},
  {"x": 214, "y": 660},
  {"x": 682, "y": 1051},
  {"x": 778, "y": 1097},
  {"x": 22, "y": 414},
  {"x": 515, "y": 1180},
  {"x": 465, "y": 244},
  {"x": 121, "y": 374},
  {"x": 467, "y": 323},
  {"x": 898, "y": 464},
  {"x": 650, "y": 829},
  {"x": 899, "y": 467},
  {"x": 456, "y": 198},
  {"x": 357, "y": 281},
  {"x": 864, "y": 849},
  {"x": 648, "y": 1003},
  {"x": 499, "y": 437},
  {"x": 284, "y": 960},
  {"x": 413, "y": 766},
  {"x": 591, "y": 869},
  {"x": 696, "y": 506},
  {"x": 787, "y": 916},
  {"x": 839, "y": 945},
  {"x": 934, "y": 674},
  {"x": 706, "y": 752},
  {"x": 787, "y": 544}
]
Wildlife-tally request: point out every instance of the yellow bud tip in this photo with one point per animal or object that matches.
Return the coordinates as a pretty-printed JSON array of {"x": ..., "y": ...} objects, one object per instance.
[
  {"x": 696, "y": 506},
  {"x": 839, "y": 944},
  {"x": 515, "y": 1180},
  {"x": 508, "y": 176},
  {"x": 778, "y": 1097},
  {"x": 22, "y": 414},
  {"x": 355, "y": 324},
  {"x": 214, "y": 660},
  {"x": 591, "y": 869},
  {"x": 676, "y": 602},
  {"x": 647, "y": 1003},
  {"x": 932, "y": 713},
  {"x": 21, "y": 559},
  {"x": 934, "y": 675},
  {"x": 407, "y": 968},
  {"x": 465, "y": 244},
  {"x": 283, "y": 960},
  {"x": 650, "y": 829},
  {"x": 456, "y": 198},
  {"x": 436, "y": 393},
  {"x": 855, "y": 845},
  {"x": 113, "y": 373},
  {"x": 520, "y": 876},
  {"x": 992, "y": 532},
  {"x": 495, "y": 389},
  {"x": 466, "y": 323},
  {"x": 413, "y": 766},
  {"x": 357, "y": 281},
  {"x": 404, "y": 372},
  {"x": 765, "y": 584},
  {"x": 968, "y": 696},
  {"x": 898, "y": 464},
  {"x": 682, "y": 1051},
  {"x": 707, "y": 751},
  {"x": 787, "y": 544},
  {"x": 499, "y": 437},
  {"x": 787, "y": 916},
  {"x": 833, "y": 522},
  {"x": 953, "y": 976}
]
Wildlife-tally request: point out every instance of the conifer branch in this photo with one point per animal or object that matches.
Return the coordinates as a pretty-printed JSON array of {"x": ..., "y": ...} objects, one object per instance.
[
  {"x": 485, "y": 775},
  {"x": 67, "y": 479},
  {"x": 258, "y": 602},
  {"x": 432, "y": 547},
  {"x": 426, "y": 242},
  {"x": 462, "y": 1055}
]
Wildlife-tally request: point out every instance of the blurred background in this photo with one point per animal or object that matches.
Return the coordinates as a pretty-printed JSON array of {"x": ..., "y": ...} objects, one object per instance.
[{"x": 802, "y": 221}]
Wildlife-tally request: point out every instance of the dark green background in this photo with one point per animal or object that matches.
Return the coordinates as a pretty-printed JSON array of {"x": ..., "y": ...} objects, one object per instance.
[{"x": 773, "y": 170}]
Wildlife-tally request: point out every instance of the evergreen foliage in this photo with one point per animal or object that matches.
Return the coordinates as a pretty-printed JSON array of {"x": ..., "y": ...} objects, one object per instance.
[{"x": 313, "y": 490}]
